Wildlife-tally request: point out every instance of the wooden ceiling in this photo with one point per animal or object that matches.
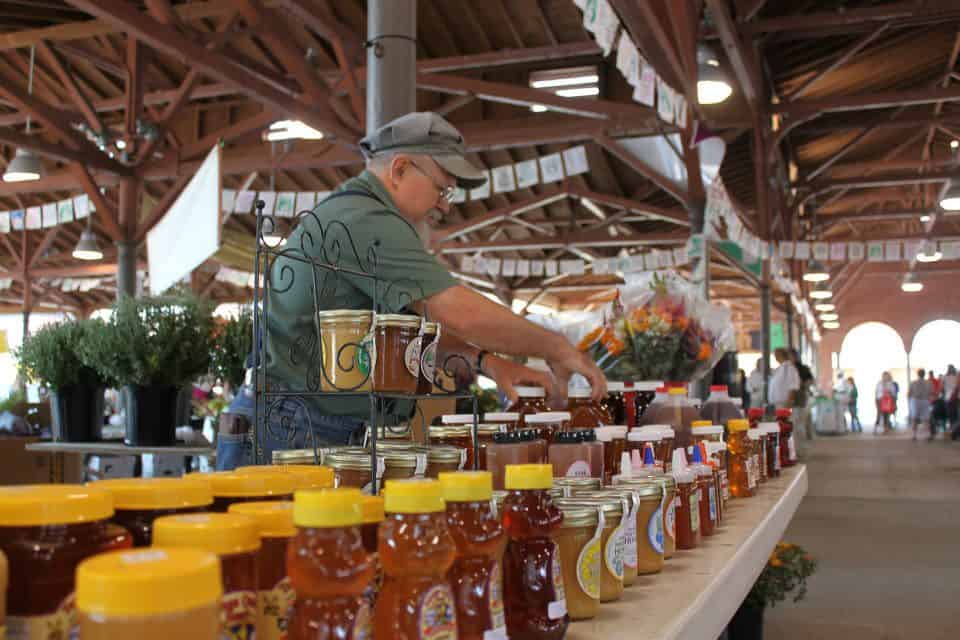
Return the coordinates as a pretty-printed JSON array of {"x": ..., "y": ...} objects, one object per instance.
[{"x": 852, "y": 103}]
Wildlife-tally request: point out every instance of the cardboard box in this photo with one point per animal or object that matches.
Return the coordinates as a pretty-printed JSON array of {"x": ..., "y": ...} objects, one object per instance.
[{"x": 19, "y": 466}]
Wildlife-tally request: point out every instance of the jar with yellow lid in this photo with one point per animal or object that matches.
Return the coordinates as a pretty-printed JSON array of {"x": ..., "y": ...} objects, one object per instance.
[
  {"x": 630, "y": 502},
  {"x": 137, "y": 502},
  {"x": 579, "y": 543},
  {"x": 429, "y": 350},
  {"x": 274, "y": 521},
  {"x": 329, "y": 568},
  {"x": 230, "y": 487},
  {"x": 347, "y": 349},
  {"x": 45, "y": 532},
  {"x": 670, "y": 504},
  {"x": 372, "y": 510},
  {"x": 234, "y": 539},
  {"x": 305, "y": 476},
  {"x": 613, "y": 542},
  {"x": 149, "y": 594},
  {"x": 396, "y": 364}
]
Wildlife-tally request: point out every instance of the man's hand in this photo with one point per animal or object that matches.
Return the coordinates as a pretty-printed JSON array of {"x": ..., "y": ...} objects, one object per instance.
[
  {"x": 569, "y": 361},
  {"x": 508, "y": 375}
]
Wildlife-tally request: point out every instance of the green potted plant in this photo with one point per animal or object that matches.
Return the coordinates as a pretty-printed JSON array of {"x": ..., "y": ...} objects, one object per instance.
[
  {"x": 153, "y": 347},
  {"x": 786, "y": 572},
  {"x": 51, "y": 356},
  {"x": 232, "y": 344}
]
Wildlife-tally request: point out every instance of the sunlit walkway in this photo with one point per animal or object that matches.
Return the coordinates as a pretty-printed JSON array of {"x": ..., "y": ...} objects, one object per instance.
[{"x": 883, "y": 517}]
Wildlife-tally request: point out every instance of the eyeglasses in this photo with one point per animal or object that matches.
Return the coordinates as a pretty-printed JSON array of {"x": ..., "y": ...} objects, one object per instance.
[{"x": 445, "y": 192}]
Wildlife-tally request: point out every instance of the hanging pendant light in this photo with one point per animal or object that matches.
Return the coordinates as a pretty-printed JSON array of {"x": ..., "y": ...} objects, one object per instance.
[
  {"x": 821, "y": 292},
  {"x": 25, "y": 165},
  {"x": 816, "y": 272},
  {"x": 824, "y": 306},
  {"x": 88, "y": 248},
  {"x": 712, "y": 84},
  {"x": 929, "y": 253},
  {"x": 910, "y": 284},
  {"x": 951, "y": 199}
]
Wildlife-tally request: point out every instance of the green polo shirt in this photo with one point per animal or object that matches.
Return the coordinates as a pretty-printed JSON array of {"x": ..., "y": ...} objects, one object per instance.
[{"x": 360, "y": 234}]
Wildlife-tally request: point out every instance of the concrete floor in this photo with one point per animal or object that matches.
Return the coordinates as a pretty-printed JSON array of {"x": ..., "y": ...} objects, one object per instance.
[{"x": 882, "y": 516}]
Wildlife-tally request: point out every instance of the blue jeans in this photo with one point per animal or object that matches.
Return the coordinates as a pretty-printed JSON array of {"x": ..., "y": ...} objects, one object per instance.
[{"x": 290, "y": 425}]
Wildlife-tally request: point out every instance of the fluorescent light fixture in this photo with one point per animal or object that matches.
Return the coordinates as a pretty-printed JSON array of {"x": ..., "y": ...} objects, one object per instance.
[
  {"x": 829, "y": 317},
  {"x": 592, "y": 207},
  {"x": 537, "y": 108},
  {"x": 579, "y": 92},
  {"x": 925, "y": 218},
  {"x": 816, "y": 272},
  {"x": 951, "y": 199},
  {"x": 565, "y": 82},
  {"x": 292, "y": 130},
  {"x": 831, "y": 325},
  {"x": 929, "y": 253},
  {"x": 824, "y": 306},
  {"x": 821, "y": 292},
  {"x": 24, "y": 167}
]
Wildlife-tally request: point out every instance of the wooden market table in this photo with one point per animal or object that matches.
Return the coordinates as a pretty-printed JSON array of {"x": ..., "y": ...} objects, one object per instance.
[{"x": 699, "y": 591}]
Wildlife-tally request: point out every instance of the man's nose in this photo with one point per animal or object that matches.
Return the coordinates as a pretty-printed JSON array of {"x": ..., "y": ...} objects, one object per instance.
[{"x": 443, "y": 205}]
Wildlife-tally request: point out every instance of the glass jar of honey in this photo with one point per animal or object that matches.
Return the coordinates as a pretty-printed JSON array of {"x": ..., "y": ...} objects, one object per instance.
[
  {"x": 416, "y": 551},
  {"x": 457, "y": 431},
  {"x": 534, "y": 593},
  {"x": 771, "y": 431},
  {"x": 548, "y": 424},
  {"x": 649, "y": 497},
  {"x": 614, "y": 441},
  {"x": 510, "y": 420},
  {"x": 759, "y": 455},
  {"x": 429, "y": 350},
  {"x": 612, "y": 542},
  {"x": 274, "y": 521},
  {"x": 538, "y": 446},
  {"x": 669, "y": 508},
  {"x": 688, "y": 509},
  {"x": 230, "y": 487},
  {"x": 570, "y": 486},
  {"x": 233, "y": 538},
  {"x": 630, "y": 501},
  {"x": 480, "y": 541},
  {"x": 346, "y": 349},
  {"x": 507, "y": 448},
  {"x": 352, "y": 467},
  {"x": 137, "y": 502},
  {"x": 305, "y": 476},
  {"x": 788, "y": 449},
  {"x": 579, "y": 543},
  {"x": 707, "y": 492},
  {"x": 576, "y": 454},
  {"x": 530, "y": 400},
  {"x": 614, "y": 403},
  {"x": 399, "y": 464},
  {"x": 740, "y": 459},
  {"x": 442, "y": 458},
  {"x": 45, "y": 532},
  {"x": 396, "y": 365},
  {"x": 149, "y": 594},
  {"x": 372, "y": 511},
  {"x": 585, "y": 412},
  {"x": 329, "y": 568}
]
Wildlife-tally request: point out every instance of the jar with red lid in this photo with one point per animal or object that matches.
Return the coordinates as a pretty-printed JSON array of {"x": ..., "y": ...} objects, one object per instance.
[
  {"x": 755, "y": 416},
  {"x": 585, "y": 412},
  {"x": 530, "y": 400},
  {"x": 788, "y": 448}
]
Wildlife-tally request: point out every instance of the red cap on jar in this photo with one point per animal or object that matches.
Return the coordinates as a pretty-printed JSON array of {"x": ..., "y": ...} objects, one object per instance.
[
  {"x": 722, "y": 388},
  {"x": 784, "y": 413},
  {"x": 755, "y": 412}
]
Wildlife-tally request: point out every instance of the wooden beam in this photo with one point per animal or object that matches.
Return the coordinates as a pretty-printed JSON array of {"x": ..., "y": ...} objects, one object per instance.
[
  {"x": 69, "y": 81},
  {"x": 741, "y": 60},
  {"x": 580, "y": 240},
  {"x": 106, "y": 212},
  {"x": 890, "y": 180},
  {"x": 649, "y": 34},
  {"x": 90, "y": 157},
  {"x": 134, "y": 85},
  {"x": 644, "y": 169},
  {"x": 675, "y": 216},
  {"x": 855, "y": 47},
  {"x": 899, "y": 13},
  {"x": 451, "y": 231},
  {"x": 882, "y": 100},
  {"x": 45, "y": 244},
  {"x": 258, "y": 122}
]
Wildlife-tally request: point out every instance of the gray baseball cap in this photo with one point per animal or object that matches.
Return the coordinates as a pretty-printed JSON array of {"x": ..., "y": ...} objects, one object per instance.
[{"x": 427, "y": 133}]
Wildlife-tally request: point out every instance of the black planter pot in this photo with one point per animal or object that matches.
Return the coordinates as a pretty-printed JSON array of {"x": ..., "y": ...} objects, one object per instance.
[
  {"x": 76, "y": 413},
  {"x": 746, "y": 624},
  {"x": 151, "y": 416}
]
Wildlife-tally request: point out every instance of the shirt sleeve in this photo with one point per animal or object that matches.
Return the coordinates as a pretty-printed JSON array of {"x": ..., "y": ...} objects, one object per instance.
[{"x": 793, "y": 379}]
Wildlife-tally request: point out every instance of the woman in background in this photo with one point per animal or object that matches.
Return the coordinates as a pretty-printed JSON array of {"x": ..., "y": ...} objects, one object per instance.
[{"x": 852, "y": 396}]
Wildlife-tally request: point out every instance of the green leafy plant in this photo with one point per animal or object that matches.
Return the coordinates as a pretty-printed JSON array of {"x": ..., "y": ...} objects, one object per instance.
[
  {"x": 162, "y": 341},
  {"x": 232, "y": 343},
  {"x": 12, "y": 401},
  {"x": 786, "y": 572},
  {"x": 51, "y": 355}
]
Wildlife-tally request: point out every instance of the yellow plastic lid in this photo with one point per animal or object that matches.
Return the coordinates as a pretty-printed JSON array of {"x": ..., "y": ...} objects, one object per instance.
[
  {"x": 372, "y": 509},
  {"x": 327, "y": 508},
  {"x": 738, "y": 425},
  {"x": 274, "y": 519},
  {"x": 701, "y": 423},
  {"x": 528, "y": 476},
  {"x": 148, "y": 582},
  {"x": 156, "y": 493},
  {"x": 33, "y": 505},
  {"x": 219, "y": 533},
  {"x": 466, "y": 486},
  {"x": 677, "y": 391},
  {"x": 248, "y": 484},
  {"x": 305, "y": 476},
  {"x": 413, "y": 496}
]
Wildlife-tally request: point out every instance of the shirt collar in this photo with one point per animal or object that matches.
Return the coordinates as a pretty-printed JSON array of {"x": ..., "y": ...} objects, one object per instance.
[{"x": 372, "y": 182}]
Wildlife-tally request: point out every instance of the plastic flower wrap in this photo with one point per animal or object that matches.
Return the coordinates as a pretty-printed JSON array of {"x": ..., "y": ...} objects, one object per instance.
[{"x": 659, "y": 328}]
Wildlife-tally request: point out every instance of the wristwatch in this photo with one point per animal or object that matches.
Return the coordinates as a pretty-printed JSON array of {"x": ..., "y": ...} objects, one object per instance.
[{"x": 480, "y": 357}]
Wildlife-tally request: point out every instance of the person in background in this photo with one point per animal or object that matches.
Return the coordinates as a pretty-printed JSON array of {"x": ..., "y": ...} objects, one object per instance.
[
  {"x": 886, "y": 402},
  {"x": 755, "y": 385},
  {"x": 918, "y": 396},
  {"x": 801, "y": 414},
  {"x": 950, "y": 399},
  {"x": 938, "y": 411},
  {"x": 744, "y": 392},
  {"x": 852, "y": 396},
  {"x": 785, "y": 382}
]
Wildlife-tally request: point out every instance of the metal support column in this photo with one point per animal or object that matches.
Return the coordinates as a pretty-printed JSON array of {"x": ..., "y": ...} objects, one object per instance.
[
  {"x": 126, "y": 269},
  {"x": 790, "y": 324},
  {"x": 391, "y": 60},
  {"x": 765, "y": 333},
  {"x": 128, "y": 209}
]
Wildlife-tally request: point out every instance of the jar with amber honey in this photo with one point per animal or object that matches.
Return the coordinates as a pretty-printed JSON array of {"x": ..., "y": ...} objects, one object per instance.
[
  {"x": 371, "y": 508},
  {"x": 579, "y": 543},
  {"x": 137, "y": 502},
  {"x": 346, "y": 349},
  {"x": 585, "y": 412},
  {"x": 352, "y": 467},
  {"x": 442, "y": 458},
  {"x": 149, "y": 594},
  {"x": 457, "y": 431},
  {"x": 230, "y": 487},
  {"x": 772, "y": 443},
  {"x": 548, "y": 424},
  {"x": 530, "y": 400},
  {"x": 396, "y": 365},
  {"x": 429, "y": 352},
  {"x": 613, "y": 542},
  {"x": 740, "y": 459},
  {"x": 614, "y": 441}
]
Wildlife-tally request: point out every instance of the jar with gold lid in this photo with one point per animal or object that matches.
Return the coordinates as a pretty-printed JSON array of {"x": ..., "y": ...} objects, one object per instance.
[
  {"x": 670, "y": 503},
  {"x": 346, "y": 349},
  {"x": 613, "y": 541},
  {"x": 351, "y": 467},
  {"x": 429, "y": 353},
  {"x": 649, "y": 500},
  {"x": 630, "y": 502},
  {"x": 442, "y": 458},
  {"x": 579, "y": 541},
  {"x": 396, "y": 367},
  {"x": 572, "y": 484}
]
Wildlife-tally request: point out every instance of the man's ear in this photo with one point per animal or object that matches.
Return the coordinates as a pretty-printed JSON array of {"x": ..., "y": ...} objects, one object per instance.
[{"x": 398, "y": 166}]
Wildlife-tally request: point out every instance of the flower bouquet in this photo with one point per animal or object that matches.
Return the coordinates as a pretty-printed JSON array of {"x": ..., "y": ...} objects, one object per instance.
[
  {"x": 659, "y": 328},
  {"x": 786, "y": 572}
]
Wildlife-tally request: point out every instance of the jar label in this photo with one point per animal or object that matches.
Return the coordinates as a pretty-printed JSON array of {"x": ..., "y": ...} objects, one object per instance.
[
  {"x": 695, "y": 511},
  {"x": 655, "y": 530},
  {"x": 558, "y": 607},
  {"x": 713, "y": 503},
  {"x": 59, "y": 625},
  {"x": 588, "y": 568},
  {"x": 498, "y": 619},
  {"x": 725, "y": 484},
  {"x": 238, "y": 615},
  {"x": 275, "y": 609},
  {"x": 411, "y": 357},
  {"x": 362, "y": 623},
  {"x": 630, "y": 531},
  {"x": 672, "y": 517},
  {"x": 579, "y": 469},
  {"x": 438, "y": 616},
  {"x": 428, "y": 362},
  {"x": 613, "y": 554},
  {"x": 792, "y": 448},
  {"x": 366, "y": 357}
]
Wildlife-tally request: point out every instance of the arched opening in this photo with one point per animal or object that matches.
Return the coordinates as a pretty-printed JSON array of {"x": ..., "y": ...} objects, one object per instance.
[
  {"x": 867, "y": 351},
  {"x": 935, "y": 346}
]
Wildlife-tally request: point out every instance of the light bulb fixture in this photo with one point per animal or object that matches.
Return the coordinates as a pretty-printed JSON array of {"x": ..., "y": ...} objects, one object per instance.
[
  {"x": 292, "y": 130},
  {"x": 88, "y": 248},
  {"x": 831, "y": 325},
  {"x": 829, "y": 317},
  {"x": 824, "y": 306},
  {"x": 25, "y": 165},
  {"x": 816, "y": 272},
  {"x": 821, "y": 292},
  {"x": 713, "y": 87},
  {"x": 925, "y": 218},
  {"x": 951, "y": 199},
  {"x": 954, "y": 144},
  {"x": 910, "y": 284},
  {"x": 537, "y": 108},
  {"x": 929, "y": 253}
]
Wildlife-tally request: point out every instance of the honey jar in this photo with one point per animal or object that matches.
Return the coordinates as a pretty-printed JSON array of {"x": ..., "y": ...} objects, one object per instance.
[
  {"x": 137, "y": 502},
  {"x": 346, "y": 349},
  {"x": 396, "y": 367},
  {"x": 579, "y": 543}
]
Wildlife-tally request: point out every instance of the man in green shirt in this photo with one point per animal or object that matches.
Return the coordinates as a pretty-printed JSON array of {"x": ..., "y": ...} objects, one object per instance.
[{"x": 369, "y": 225}]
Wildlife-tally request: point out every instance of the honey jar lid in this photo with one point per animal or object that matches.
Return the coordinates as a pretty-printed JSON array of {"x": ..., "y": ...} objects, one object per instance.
[
  {"x": 575, "y": 515},
  {"x": 396, "y": 458},
  {"x": 372, "y": 510},
  {"x": 611, "y": 433},
  {"x": 147, "y": 582},
  {"x": 293, "y": 456},
  {"x": 642, "y": 490},
  {"x": 220, "y": 533},
  {"x": 769, "y": 427},
  {"x": 157, "y": 493},
  {"x": 458, "y": 418},
  {"x": 397, "y": 320},
  {"x": 413, "y": 496},
  {"x": 531, "y": 392},
  {"x": 638, "y": 435},
  {"x": 707, "y": 430},
  {"x": 664, "y": 479},
  {"x": 548, "y": 417},
  {"x": 431, "y": 328},
  {"x": 348, "y": 458},
  {"x": 528, "y": 477},
  {"x": 345, "y": 314},
  {"x": 274, "y": 519},
  {"x": 578, "y": 483},
  {"x": 501, "y": 416},
  {"x": 305, "y": 476},
  {"x": 615, "y": 387},
  {"x": 328, "y": 508},
  {"x": 445, "y": 454},
  {"x": 579, "y": 393},
  {"x": 243, "y": 484},
  {"x": 610, "y": 504},
  {"x": 466, "y": 486},
  {"x": 738, "y": 425},
  {"x": 35, "y": 505},
  {"x": 450, "y": 431}
]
